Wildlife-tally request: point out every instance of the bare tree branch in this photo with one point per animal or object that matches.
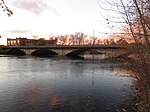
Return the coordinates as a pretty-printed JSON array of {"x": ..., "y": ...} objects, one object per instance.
[{"x": 5, "y": 8}]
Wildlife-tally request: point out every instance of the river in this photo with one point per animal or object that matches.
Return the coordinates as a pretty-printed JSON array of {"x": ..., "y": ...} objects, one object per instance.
[{"x": 35, "y": 84}]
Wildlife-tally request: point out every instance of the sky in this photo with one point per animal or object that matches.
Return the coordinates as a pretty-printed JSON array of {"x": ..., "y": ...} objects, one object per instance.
[{"x": 53, "y": 17}]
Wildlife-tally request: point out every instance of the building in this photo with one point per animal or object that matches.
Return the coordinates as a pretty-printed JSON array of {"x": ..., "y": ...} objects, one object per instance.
[
  {"x": 30, "y": 42},
  {"x": 21, "y": 42}
]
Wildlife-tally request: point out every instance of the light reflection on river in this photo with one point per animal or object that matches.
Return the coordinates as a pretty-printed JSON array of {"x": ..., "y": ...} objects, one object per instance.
[{"x": 31, "y": 84}]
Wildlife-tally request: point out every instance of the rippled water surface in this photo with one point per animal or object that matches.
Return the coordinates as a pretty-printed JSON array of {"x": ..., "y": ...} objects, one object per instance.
[{"x": 31, "y": 84}]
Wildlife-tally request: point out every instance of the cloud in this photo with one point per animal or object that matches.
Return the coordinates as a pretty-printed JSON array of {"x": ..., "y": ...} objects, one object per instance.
[
  {"x": 19, "y": 31},
  {"x": 34, "y": 6},
  {"x": 55, "y": 11}
]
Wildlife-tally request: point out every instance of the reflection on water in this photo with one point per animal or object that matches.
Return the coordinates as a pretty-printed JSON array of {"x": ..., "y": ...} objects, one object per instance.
[
  {"x": 31, "y": 84},
  {"x": 96, "y": 56}
]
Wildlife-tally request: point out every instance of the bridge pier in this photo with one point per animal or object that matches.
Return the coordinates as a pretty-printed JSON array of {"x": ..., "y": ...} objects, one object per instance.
[
  {"x": 108, "y": 52},
  {"x": 28, "y": 51},
  {"x": 62, "y": 52}
]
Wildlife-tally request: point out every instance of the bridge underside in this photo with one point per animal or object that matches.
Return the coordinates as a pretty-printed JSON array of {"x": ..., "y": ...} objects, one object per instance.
[{"x": 43, "y": 52}]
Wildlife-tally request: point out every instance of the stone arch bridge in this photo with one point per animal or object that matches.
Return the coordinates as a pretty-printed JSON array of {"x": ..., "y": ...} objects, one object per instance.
[{"x": 64, "y": 50}]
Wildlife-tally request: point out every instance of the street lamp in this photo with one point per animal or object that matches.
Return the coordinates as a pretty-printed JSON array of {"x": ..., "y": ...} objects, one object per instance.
[{"x": 94, "y": 38}]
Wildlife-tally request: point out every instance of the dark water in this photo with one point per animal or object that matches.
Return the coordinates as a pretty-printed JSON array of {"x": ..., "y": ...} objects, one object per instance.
[{"x": 31, "y": 84}]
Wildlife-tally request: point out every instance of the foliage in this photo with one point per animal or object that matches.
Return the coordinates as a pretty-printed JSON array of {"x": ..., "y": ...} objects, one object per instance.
[{"x": 137, "y": 17}]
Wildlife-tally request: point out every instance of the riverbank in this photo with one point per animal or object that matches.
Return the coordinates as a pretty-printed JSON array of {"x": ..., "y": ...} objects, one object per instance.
[{"x": 139, "y": 65}]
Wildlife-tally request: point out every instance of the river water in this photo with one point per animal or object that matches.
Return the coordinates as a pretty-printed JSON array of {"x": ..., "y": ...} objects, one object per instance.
[{"x": 32, "y": 84}]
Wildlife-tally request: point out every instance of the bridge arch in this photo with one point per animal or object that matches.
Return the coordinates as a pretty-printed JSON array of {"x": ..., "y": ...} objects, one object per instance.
[
  {"x": 75, "y": 52},
  {"x": 43, "y": 52},
  {"x": 15, "y": 52},
  {"x": 82, "y": 52}
]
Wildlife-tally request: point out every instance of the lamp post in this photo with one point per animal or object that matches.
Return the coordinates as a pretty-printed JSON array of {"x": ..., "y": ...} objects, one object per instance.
[{"x": 94, "y": 37}]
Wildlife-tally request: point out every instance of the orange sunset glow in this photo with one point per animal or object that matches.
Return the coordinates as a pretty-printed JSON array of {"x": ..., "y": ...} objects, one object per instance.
[{"x": 44, "y": 18}]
